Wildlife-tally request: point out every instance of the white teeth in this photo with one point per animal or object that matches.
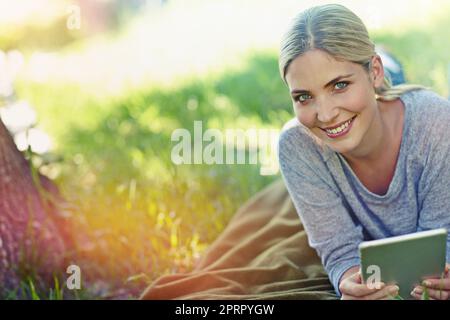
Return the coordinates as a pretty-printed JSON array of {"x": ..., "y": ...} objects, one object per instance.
[{"x": 339, "y": 129}]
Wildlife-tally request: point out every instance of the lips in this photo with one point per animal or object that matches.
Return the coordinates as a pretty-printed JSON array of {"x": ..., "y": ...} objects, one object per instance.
[
  {"x": 340, "y": 129},
  {"x": 338, "y": 125}
]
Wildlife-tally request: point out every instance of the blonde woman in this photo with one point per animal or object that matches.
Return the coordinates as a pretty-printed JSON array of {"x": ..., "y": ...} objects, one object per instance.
[{"x": 361, "y": 160}]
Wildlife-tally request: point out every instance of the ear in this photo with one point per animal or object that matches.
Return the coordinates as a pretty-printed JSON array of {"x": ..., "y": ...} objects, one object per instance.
[{"x": 377, "y": 71}]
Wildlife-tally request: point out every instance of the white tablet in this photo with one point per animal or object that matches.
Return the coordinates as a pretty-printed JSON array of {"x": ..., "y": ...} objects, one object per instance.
[{"x": 405, "y": 260}]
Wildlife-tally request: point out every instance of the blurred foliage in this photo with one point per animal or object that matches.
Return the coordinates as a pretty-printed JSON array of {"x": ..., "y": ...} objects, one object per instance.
[
  {"x": 134, "y": 211},
  {"x": 424, "y": 52},
  {"x": 28, "y": 37},
  {"x": 55, "y": 35}
]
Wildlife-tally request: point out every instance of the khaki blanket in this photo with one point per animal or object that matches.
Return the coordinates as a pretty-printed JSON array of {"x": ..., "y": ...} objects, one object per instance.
[{"x": 263, "y": 253}]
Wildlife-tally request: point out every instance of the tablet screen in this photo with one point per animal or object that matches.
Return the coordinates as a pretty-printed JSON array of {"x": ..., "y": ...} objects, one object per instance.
[{"x": 404, "y": 260}]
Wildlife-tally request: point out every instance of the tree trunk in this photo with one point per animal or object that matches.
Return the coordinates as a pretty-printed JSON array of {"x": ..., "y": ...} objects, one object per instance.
[{"x": 30, "y": 242}]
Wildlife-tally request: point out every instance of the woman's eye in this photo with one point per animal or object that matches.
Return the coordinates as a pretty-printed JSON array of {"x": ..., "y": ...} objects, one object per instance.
[
  {"x": 302, "y": 97},
  {"x": 341, "y": 85}
]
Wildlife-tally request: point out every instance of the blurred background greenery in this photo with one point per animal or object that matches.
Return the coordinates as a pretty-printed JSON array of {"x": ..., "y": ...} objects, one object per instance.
[{"x": 106, "y": 97}]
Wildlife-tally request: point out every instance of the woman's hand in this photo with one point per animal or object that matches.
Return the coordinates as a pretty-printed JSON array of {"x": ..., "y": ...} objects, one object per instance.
[
  {"x": 438, "y": 289},
  {"x": 352, "y": 288}
]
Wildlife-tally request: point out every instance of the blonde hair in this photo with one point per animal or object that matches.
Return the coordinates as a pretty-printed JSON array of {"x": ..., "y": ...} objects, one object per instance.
[{"x": 338, "y": 31}]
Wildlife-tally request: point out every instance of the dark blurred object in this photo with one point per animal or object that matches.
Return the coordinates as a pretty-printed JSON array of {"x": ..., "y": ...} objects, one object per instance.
[
  {"x": 32, "y": 245},
  {"x": 33, "y": 233},
  {"x": 392, "y": 67}
]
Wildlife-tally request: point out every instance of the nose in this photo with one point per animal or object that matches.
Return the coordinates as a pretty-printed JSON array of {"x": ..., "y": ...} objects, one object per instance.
[{"x": 326, "y": 112}]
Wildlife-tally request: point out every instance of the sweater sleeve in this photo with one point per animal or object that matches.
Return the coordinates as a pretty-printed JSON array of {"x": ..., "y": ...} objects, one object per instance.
[
  {"x": 331, "y": 230},
  {"x": 434, "y": 209}
]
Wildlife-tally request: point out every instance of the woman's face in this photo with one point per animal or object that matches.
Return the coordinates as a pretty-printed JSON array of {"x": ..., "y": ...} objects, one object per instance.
[{"x": 335, "y": 99}]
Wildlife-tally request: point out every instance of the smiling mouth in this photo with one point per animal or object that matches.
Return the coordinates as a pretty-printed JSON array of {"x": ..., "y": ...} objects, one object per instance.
[{"x": 339, "y": 130}]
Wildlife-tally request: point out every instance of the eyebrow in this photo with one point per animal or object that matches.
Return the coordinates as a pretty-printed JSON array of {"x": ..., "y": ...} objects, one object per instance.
[{"x": 329, "y": 83}]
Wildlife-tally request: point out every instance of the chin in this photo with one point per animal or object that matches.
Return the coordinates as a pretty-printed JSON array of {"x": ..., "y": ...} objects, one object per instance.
[{"x": 341, "y": 147}]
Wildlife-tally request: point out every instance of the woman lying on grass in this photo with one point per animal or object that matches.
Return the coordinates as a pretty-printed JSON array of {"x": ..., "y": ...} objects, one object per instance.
[{"x": 362, "y": 160}]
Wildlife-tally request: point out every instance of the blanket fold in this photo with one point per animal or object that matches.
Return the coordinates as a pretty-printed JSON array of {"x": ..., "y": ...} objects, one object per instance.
[{"x": 263, "y": 253}]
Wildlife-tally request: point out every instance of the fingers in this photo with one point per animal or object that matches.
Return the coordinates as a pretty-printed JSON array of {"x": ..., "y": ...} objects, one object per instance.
[
  {"x": 417, "y": 293},
  {"x": 433, "y": 294},
  {"x": 443, "y": 284},
  {"x": 352, "y": 286},
  {"x": 419, "y": 296},
  {"x": 356, "y": 277},
  {"x": 438, "y": 288},
  {"x": 358, "y": 290},
  {"x": 388, "y": 292},
  {"x": 438, "y": 294}
]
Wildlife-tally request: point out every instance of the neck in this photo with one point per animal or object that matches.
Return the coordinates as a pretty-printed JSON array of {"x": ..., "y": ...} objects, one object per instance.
[{"x": 375, "y": 144}]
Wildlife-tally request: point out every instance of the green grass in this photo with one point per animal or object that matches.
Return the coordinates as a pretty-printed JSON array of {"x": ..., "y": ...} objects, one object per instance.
[
  {"x": 28, "y": 289},
  {"x": 133, "y": 211}
]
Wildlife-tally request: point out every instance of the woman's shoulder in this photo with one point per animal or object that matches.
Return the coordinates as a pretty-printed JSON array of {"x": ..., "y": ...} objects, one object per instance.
[
  {"x": 427, "y": 102},
  {"x": 429, "y": 121},
  {"x": 428, "y": 108}
]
